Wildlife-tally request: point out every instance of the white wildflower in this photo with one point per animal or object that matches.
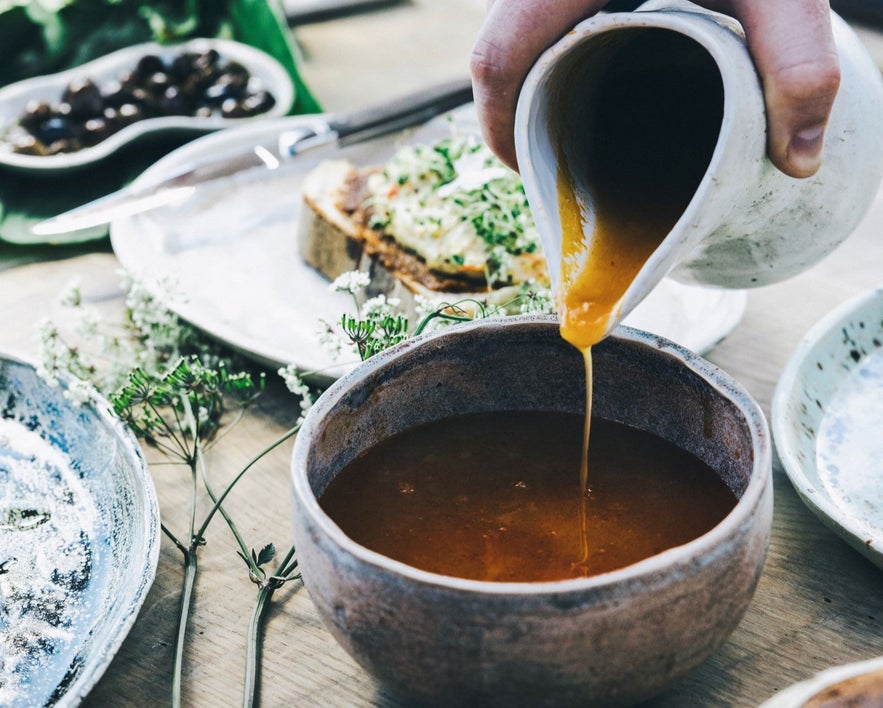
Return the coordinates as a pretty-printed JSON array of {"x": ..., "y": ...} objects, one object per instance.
[
  {"x": 72, "y": 296},
  {"x": 352, "y": 282},
  {"x": 331, "y": 339},
  {"x": 80, "y": 392},
  {"x": 295, "y": 384},
  {"x": 540, "y": 301}
]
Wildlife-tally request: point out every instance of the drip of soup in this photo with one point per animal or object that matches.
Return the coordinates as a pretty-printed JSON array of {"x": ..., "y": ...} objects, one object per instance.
[
  {"x": 648, "y": 127},
  {"x": 493, "y": 497}
]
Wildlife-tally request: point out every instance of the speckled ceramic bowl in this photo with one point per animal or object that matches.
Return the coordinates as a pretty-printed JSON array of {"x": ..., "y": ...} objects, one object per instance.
[
  {"x": 79, "y": 539},
  {"x": 614, "y": 638},
  {"x": 827, "y": 415}
]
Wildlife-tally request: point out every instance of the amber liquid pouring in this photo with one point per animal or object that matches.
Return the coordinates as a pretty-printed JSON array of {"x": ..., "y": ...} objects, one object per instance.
[
  {"x": 651, "y": 126},
  {"x": 490, "y": 497}
]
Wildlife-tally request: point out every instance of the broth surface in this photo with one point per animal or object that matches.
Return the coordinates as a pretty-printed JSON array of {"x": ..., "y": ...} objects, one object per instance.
[{"x": 495, "y": 497}]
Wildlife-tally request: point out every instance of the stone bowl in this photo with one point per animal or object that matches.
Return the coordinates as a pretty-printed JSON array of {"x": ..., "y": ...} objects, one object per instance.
[{"x": 611, "y": 639}]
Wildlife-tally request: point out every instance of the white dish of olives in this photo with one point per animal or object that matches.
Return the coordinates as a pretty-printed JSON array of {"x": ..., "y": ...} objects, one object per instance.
[{"x": 79, "y": 116}]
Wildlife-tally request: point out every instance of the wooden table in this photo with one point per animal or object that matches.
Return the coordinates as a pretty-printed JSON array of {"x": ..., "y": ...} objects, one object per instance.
[{"x": 818, "y": 603}]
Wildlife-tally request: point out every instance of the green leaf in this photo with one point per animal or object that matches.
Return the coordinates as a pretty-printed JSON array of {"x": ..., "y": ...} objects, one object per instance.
[{"x": 267, "y": 553}]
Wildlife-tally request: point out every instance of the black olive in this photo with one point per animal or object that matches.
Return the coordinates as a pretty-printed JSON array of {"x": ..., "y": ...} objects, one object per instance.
[
  {"x": 237, "y": 72},
  {"x": 116, "y": 93},
  {"x": 259, "y": 102},
  {"x": 175, "y": 103},
  {"x": 149, "y": 64},
  {"x": 53, "y": 130},
  {"x": 36, "y": 112},
  {"x": 231, "y": 108},
  {"x": 207, "y": 60},
  {"x": 182, "y": 65},
  {"x": 84, "y": 98},
  {"x": 158, "y": 82},
  {"x": 129, "y": 113},
  {"x": 95, "y": 130},
  {"x": 146, "y": 101},
  {"x": 219, "y": 92}
]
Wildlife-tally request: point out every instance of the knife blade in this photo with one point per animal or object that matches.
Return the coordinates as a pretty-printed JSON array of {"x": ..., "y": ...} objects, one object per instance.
[{"x": 336, "y": 130}]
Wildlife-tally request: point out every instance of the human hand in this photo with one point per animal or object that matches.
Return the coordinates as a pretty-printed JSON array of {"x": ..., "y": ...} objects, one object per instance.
[{"x": 791, "y": 42}]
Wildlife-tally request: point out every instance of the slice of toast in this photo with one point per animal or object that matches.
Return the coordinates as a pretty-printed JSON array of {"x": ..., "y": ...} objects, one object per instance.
[{"x": 335, "y": 236}]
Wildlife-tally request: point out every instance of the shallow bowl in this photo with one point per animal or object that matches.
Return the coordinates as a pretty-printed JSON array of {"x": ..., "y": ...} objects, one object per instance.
[
  {"x": 79, "y": 538},
  {"x": 615, "y": 638},
  {"x": 826, "y": 416}
]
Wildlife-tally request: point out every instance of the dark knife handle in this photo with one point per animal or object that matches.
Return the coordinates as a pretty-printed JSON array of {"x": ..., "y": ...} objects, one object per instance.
[{"x": 403, "y": 112}]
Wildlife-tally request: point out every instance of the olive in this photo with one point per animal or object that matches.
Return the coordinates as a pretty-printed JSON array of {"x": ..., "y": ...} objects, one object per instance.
[
  {"x": 258, "y": 102},
  {"x": 237, "y": 72},
  {"x": 231, "y": 108},
  {"x": 219, "y": 92},
  {"x": 146, "y": 100},
  {"x": 83, "y": 97},
  {"x": 116, "y": 93},
  {"x": 158, "y": 82},
  {"x": 53, "y": 130},
  {"x": 95, "y": 130},
  {"x": 174, "y": 102},
  {"x": 36, "y": 112},
  {"x": 149, "y": 64},
  {"x": 182, "y": 65},
  {"x": 129, "y": 113}
]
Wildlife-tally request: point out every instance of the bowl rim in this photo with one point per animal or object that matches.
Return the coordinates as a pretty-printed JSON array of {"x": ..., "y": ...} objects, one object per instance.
[{"x": 759, "y": 483}]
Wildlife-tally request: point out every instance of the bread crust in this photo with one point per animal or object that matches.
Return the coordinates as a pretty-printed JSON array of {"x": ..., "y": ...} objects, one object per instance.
[{"x": 334, "y": 238}]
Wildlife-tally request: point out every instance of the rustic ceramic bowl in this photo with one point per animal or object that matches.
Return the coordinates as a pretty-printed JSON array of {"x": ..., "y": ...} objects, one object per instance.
[{"x": 615, "y": 638}]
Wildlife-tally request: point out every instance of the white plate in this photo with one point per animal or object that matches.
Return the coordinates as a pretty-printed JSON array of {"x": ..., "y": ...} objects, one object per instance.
[
  {"x": 14, "y": 97},
  {"x": 827, "y": 418},
  {"x": 79, "y": 539},
  {"x": 232, "y": 250}
]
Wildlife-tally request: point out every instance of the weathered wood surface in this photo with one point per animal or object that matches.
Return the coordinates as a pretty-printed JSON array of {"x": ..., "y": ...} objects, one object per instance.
[{"x": 818, "y": 603}]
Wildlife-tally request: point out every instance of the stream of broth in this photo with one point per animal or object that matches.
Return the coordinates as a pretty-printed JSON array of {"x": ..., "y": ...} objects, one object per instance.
[
  {"x": 651, "y": 124},
  {"x": 490, "y": 497}
]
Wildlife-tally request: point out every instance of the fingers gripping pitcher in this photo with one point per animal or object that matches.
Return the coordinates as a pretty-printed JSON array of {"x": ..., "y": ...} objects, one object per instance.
[{"x": 641, "y": 138}]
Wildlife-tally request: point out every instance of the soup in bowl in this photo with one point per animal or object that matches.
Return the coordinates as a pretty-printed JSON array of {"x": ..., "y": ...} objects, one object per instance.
[{"x": 445, "y": 539}]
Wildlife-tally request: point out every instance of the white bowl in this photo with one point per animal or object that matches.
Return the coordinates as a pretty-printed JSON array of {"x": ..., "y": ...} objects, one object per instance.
[
  {"x": 79, "y": 539},
  {"x": 14, "y": 97},
  {"x": 827, "y": 414}
]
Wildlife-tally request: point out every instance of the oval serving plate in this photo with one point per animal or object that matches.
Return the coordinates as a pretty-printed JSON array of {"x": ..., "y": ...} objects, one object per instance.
[
  {"x": 827, "y": 417},
  {"x": 231, "y": 253},
  {"x": 263, "y": 68},
  {"x": 79, "y": 539}
]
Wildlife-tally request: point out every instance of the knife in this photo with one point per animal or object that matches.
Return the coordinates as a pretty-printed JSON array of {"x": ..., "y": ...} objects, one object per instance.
[{"x": 337, "y": 131}]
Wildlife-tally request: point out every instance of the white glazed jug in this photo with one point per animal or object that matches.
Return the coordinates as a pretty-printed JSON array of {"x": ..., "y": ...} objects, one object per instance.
[{"x": 744, "y": 223}]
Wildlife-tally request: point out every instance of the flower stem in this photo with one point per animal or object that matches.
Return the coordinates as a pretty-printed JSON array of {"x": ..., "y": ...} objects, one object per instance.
[
  {"x": 188, "y": 583},
  {"x": 253, "y": 647}
]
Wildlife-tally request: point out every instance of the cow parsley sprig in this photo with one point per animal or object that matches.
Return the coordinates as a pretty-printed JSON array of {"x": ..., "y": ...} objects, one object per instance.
[{"x": 176, "y": 391}]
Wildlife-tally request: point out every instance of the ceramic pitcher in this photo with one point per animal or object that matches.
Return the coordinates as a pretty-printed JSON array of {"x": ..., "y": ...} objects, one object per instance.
[{"x": 744, "y": 222}]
